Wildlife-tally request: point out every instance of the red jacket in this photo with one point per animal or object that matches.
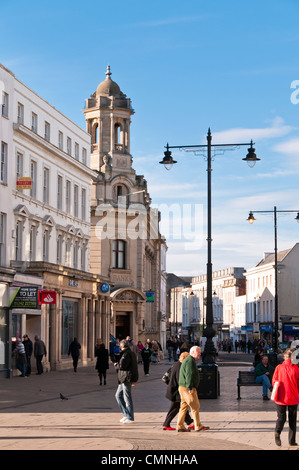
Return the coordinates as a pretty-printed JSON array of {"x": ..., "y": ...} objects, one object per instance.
[{"x": 288, "y": 390}]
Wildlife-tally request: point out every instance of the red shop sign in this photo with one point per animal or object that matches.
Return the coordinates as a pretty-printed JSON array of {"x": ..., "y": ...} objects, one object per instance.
[{"x": 48, "y": 297}]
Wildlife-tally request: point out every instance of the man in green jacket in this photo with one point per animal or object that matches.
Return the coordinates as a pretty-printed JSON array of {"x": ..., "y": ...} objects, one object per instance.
[
  {"x": 188, "y": 383},
  {"x": 263, "y": 375}
]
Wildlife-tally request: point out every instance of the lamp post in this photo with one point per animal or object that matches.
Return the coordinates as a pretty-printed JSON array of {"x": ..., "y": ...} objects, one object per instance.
[
  {"x": 209, "y": 355},
  {"x": 251, "y": 219}
]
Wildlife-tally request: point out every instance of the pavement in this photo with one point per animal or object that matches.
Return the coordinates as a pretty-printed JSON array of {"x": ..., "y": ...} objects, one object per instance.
[{"x": 34, "y": 417}]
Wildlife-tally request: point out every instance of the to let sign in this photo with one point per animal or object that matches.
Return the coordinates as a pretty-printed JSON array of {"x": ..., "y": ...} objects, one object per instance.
[
  {"x": 24, "y": 297},
  {"x": 24, "y": 182}
]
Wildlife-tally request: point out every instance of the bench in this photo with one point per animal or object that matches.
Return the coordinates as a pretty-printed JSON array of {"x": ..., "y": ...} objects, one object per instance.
[{"x": 246, "y": 379}]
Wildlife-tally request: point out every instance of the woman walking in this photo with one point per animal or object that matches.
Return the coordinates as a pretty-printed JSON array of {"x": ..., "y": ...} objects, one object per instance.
[{"x": 102, "y": 364}]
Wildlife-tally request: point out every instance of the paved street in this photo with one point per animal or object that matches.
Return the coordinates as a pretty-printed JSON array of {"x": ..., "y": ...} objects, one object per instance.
[{"x": 33, "y": 416}]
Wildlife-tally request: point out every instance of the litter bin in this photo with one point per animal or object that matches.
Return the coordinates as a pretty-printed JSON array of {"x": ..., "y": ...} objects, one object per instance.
[{"x": 209, "y": 382}]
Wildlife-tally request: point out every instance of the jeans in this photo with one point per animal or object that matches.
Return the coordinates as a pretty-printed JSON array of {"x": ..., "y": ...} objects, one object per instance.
[
  {"x": 264, "y": 379},
  {"x": 124, "y": 399}
]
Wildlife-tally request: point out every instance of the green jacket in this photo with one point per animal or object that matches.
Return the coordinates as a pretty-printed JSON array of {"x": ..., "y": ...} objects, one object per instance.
[
  {"x": 261, "y": 370},
  {"x": 189, "y": 375}
]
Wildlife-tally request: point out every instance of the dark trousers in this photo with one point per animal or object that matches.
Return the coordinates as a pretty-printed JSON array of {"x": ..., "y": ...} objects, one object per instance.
[
  {"x": 39, "y": 364},
  {"x": 75, "y": 362},
  {"x": 173, "y": 411},
  {"x": 146, "y": 366},
  {"x": 281, "y": 419}
]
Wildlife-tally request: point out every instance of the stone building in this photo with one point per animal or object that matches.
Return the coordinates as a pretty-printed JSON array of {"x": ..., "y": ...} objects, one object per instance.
[
  {"x": 125, "y": 238},
  {"x": 45, "y": 229}
]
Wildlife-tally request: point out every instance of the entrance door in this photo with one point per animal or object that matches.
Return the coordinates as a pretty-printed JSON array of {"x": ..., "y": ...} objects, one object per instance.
[{"x": 123, "y": 325}]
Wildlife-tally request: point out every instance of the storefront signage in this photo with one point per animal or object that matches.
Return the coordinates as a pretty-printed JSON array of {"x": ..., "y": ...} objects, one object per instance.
[
  {"x": 73, "y": 283},
  {"x": 149, "y": 296},
  {"x": 104, "y": 287},
  {"x": 48, "y": 297},
  {"x": 24, "y": 297}
]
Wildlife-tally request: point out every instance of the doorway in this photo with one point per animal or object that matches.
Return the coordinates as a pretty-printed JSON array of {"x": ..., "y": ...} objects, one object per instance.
[{"x": 123, "y": 325}]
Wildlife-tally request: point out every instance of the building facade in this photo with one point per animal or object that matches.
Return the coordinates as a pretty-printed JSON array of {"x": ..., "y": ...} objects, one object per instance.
[
  {"x": 126, "y": 245},
  {"x": 45, "y": 229}
]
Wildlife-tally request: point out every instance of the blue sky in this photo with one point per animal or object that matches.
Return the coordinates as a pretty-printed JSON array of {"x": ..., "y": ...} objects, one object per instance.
[{"x": 186, "y": 66}]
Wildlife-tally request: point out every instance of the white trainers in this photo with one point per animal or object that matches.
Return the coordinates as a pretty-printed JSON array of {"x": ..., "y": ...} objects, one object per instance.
[
  {"x": 128, "y": 421},
  {"x": 123, "y": 419}
]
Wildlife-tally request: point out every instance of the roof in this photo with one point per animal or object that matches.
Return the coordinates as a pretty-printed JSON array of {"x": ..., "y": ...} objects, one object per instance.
[
  {"x": 108, "y": 87},
  {"x": 269, "y": 258}
]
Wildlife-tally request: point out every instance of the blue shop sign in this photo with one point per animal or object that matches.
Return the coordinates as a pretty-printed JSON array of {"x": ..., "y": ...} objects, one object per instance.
[
  {"x": 104, "y": 287},
  {"x": 266, "y": 328},
  {"x": 291, "y": 329}
]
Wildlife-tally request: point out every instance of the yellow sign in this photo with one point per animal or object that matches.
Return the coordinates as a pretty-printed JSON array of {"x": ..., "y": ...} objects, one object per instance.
[{"x": 24, "y": 182}]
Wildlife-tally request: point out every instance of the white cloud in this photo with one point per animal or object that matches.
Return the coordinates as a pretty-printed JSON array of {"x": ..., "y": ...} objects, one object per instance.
[{"x": 277, "y": 129}]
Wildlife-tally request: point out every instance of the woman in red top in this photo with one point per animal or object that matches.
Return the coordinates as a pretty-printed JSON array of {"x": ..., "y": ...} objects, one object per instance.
[{"x": 287, "y": 374}]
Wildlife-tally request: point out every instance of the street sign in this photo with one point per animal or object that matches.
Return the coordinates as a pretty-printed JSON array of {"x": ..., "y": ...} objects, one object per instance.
[
  {"x": 24, "y": 297},
  {"x": 149, "y": 296}
]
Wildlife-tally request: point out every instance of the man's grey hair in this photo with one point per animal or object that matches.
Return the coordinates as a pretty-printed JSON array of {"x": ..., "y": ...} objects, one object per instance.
[
  {"x": 194, "y": 350},
  {"x": 124, "y": 343}
]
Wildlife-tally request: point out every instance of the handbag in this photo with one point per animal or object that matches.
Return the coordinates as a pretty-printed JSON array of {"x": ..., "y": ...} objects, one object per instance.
[
  {"x": 274, "y": 393},
  {"x": 166, "y": 376}
]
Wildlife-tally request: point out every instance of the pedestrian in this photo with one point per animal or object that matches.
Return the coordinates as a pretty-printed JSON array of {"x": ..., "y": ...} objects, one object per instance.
[
  {"x": 21, "y": 357},
  {"x": 188, "y": 383},
  {"x": 172, "y": 393},
  {"x": 287, "y": 376},
  {"x": 74, "y": 350},
  {"x": 28, "y": 351},
  {"x": 127, "y": 375},
  {"x": 263, "y": 375},
  {"x": 133, "y": 347},
  {"x": 139, "y": 347},
  {"x": 169, "y": 345},
  {"x": 102, "y": 364},
  {"x": 39, "y": 351},
  {"x": 116, "y": 351},
  {"x": 146, "y": 357}
]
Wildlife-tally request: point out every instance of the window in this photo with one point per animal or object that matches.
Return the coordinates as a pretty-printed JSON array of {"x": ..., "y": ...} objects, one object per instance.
[
  {"x": 84, "y": 156},
  {"x": 69, "y": 146},
  {"x": 76, "y": 151},
  {"x": 69, "y": 324},
  {"x": 18, "y": 245},
  {"x": 68, "y": 197},
  {"x": 3, "y": 162},
  {"x": 47, "y": 131},
  {"x": 46, "y": 179},
  {"x": 83, "y": 204},
  {"x": 33, "y": 174},
  {"x": 34, "y": 122},
  {"x": 59, "y": 192},
  {"x": 83, "y": 257},
  {"x": 19, "y": 167},
  {"x": 20, "y": 117},
  {"x": 4, "y": 104},
  {"x": 76, "y": 200},
  {"x": 60, "y": 140},
  {"x": 2, "y": 239},
  {"x": 46, "y": 238},
  {"x": 68, "y": 252},
  {"x": 32, "y": 243},
  {"x": 118, "y": 254},
  {"x": 59, "y": 250},
  {"x": 75, "y": 254}
]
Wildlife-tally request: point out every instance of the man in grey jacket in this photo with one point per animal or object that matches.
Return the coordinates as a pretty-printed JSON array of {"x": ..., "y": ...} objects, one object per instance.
[
  {"x": 127, "y": 374},
  {"x": 39, "y": 351}
]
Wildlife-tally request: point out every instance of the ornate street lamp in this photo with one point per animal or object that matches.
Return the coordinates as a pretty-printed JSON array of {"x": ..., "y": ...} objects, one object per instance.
[
  {"x": 251, "y": 219},
  {"x": 209, "y": 354}
]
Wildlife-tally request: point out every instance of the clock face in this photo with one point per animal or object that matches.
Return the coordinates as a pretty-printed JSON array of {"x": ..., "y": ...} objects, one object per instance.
[{"x": 105, "y": 287}]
